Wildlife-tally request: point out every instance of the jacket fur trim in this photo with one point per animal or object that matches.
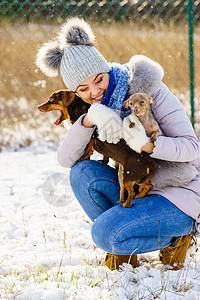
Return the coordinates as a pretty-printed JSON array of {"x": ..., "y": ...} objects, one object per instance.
[{"x": 145, "y": 75}]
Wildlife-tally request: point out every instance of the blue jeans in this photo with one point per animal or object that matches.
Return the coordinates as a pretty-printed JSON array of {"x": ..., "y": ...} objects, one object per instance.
[{"x": 149, "y": 225}]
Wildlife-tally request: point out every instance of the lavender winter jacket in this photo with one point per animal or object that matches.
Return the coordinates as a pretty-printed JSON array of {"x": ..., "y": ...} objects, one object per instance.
[{"x": 178, "y": 143}]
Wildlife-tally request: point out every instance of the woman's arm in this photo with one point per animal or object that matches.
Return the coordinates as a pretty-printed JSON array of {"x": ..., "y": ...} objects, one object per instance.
[
  {"x": 148, "y": 147},
  {"x": 178, "y": 142},
  {"x": 74, "y": 143}
]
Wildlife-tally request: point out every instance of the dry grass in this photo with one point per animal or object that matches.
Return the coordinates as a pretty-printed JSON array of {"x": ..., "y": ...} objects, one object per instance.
[{"x": 20, "y": 78}]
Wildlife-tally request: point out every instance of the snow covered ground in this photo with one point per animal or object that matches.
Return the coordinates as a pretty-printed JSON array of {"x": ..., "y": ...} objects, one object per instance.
[{"x": 46, "y": 251}]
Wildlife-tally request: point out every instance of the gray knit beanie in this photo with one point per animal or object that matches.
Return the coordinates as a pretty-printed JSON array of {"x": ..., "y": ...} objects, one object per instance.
[{"x": 72, "y": 54}]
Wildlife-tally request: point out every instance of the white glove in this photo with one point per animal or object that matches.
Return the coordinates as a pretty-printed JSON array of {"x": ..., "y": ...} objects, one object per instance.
[
  {"x": 108, "y": 122},
  {"x": 134, "y": 133}
]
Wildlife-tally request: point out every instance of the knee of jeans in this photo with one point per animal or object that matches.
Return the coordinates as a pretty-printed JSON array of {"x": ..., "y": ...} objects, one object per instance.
[
  {"x": 101, "y": 234},
  {"x": 79, "y": 173},
  {"x": 75, "y": 172}
]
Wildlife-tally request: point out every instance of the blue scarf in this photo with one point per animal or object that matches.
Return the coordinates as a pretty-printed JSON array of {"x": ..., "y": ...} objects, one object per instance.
[{"x": 117, "y": 88}]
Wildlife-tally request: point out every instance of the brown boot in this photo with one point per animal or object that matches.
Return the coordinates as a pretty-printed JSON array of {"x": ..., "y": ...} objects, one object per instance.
[
  {"x": 174, "y": 255},
  {"x": 113, "y": 261}
]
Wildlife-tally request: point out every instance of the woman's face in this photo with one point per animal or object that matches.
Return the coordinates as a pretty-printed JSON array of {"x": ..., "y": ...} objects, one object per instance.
[{"x": 93, "y": 89}]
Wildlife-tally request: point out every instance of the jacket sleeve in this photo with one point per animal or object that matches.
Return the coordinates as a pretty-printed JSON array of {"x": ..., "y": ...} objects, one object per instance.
[
  {"x": 178, "y": 142},
  {"x": 74, "y": 144}
]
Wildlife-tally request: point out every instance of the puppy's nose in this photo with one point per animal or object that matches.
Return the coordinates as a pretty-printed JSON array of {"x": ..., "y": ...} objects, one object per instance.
[
  {"x": 136, "y": 109},
  {"x": 42, "y": 107}
]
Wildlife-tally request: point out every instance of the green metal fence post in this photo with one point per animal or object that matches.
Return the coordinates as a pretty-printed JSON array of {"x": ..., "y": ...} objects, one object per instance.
[{"x": 191, "y": 50}]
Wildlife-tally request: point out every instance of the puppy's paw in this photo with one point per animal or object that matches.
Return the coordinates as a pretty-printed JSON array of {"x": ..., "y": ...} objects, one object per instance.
[
  {"x": 127, "y": 204},
  {"x": 131, "y": 124},
  {"x": 153, "y": 136}
]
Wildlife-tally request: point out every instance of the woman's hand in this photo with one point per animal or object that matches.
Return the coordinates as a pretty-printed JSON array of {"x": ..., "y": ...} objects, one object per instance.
[
  {"x": 108, "y": 122},
  {"x": 148, "y": 147},
  {"x": 86, "y": 123}
]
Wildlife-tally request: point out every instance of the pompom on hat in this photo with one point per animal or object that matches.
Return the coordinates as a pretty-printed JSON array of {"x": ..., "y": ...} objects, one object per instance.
[{"x": 72, "y": 54}]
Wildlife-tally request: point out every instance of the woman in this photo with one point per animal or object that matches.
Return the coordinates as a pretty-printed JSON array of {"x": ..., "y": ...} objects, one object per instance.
[{"x": 166, "y": 218}]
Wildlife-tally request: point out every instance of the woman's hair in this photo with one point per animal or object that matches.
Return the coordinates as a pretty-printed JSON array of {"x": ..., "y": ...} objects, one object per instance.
[{"x": 72, "y": 54}]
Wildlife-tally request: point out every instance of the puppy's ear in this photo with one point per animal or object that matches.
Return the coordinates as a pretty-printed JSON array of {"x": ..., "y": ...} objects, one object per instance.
[
  {"x": 150, "y": 100},
  {"x": 67, "y": 97},
  {"x": 126, "y": 104}
]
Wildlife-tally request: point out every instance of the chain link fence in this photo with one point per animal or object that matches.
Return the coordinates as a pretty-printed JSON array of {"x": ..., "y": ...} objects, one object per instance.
[
  {"x": 103, "y": 10},
  {"x": 158, "y": 29}
]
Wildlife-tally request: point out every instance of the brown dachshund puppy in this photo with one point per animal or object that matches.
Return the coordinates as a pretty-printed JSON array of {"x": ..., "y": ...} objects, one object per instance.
[
  {"x": 134, "y": 168},
  {"x": 69, "y": 105},
  {"x": 140, "y": 106}
]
